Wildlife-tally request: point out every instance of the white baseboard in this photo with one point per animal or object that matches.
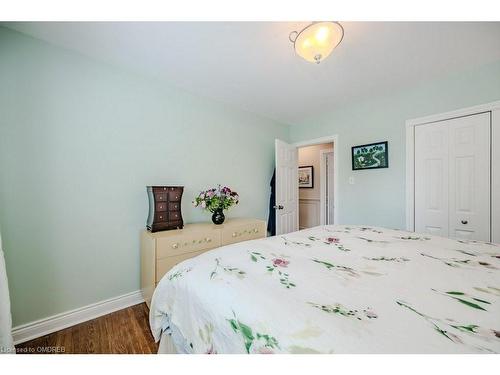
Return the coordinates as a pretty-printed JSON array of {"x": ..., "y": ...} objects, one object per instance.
[{"x": 42, "y": 327}]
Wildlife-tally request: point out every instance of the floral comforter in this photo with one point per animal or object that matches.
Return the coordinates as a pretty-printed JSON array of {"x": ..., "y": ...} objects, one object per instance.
[{"x": 335, "y": 289}]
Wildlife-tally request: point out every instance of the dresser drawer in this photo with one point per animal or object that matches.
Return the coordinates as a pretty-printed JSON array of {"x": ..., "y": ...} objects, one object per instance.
[
  {"x": 187, "y": 243},
  {"x": 241, "y": 233},
  {"x": 164, "y": 265}
]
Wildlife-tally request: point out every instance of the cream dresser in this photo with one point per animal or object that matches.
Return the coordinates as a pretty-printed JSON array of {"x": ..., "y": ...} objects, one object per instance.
[{"x": 161, "y": 251}]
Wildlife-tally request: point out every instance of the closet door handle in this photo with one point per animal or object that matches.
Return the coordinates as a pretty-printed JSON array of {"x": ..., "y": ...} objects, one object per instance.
[
  {"x": 464, "y": 221},
  {"x": 278, "y": 207}
]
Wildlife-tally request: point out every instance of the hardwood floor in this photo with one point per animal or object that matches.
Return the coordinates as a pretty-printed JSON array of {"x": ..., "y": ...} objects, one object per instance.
[{"x": 122, "y": 332}]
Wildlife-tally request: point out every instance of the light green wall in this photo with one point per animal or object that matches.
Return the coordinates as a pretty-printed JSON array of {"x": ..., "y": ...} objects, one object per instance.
[
  {"x": 79, "y": 141},
  {"x": 378, "y": 196}
]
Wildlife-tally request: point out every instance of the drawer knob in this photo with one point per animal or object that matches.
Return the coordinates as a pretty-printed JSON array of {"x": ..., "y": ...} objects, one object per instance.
[
  {"x": 234, "y": 234},
  {"x": 208, "y": 239},
  {"x": 175, "y": 245},
  {"x": 255, "y": 230},
  {"x": 464, "y": 221}
]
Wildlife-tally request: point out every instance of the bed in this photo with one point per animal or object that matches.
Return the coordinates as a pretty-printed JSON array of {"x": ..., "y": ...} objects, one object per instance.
[{"x": 333, "y": 289}]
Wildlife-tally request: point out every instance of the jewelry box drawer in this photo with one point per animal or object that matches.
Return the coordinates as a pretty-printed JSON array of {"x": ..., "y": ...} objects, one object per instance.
[
  {"x": 159, "y": 189},
  {"x": 174, "y": 206},
  {"x": 182, "y": 244},
  {"x": 243, "y": 233},
  {"x": 174, "y": 195},
  {"x": 174, "y": 216},
  {"x": 164, "y": 265},
  {"x": 161, "y": 206},
  {"x": 161, "y": 197},
  {"x": 161, "y": 216}
]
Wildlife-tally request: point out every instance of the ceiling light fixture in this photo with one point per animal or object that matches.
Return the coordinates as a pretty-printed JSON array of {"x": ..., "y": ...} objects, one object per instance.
[{"x": 316, "y": 42}]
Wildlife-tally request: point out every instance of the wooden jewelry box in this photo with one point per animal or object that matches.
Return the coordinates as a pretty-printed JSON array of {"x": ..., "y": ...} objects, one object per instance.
[{"x": 164, "y": 208}]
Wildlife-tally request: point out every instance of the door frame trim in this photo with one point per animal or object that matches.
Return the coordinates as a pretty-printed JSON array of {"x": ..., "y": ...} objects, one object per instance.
[
  {"x": 335, "y": 140},
  {"x": 322, "y": 184},
  {"x": 410, "y": 151}
]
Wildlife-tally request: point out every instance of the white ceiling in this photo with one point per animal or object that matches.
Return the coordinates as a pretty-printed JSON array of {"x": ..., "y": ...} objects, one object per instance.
[{"x": 252, "y": 65}]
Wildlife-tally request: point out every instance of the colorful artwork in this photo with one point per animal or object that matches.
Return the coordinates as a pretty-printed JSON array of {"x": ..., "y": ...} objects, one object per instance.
[{"x": 370, "y": 156}]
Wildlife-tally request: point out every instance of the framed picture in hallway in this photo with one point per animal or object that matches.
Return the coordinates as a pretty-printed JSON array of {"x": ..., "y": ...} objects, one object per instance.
[
  {"x": 370, "y": 156},
  {"x": 306, "y": 177}
]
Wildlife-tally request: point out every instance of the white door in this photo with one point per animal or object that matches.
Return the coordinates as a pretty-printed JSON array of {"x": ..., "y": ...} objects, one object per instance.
[
  {"x": 287, "y": 188},
  {"x": 431, "y": 179},
  {"x": 470, "y": 177},
  {"x": 452, "y": 177}
]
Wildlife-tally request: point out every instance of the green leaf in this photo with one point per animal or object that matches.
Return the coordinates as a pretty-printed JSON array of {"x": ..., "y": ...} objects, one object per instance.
[
  {"x": 443, "y": 332},
  {"x": 481, "y": 300},
  {"x": 469, "y": 328},
  {"x": 471, "y": 304},
  {"x": 456, "y": 293},
  {"x": 246, "y": 331},
  {"x": 254, "y": 258},
  {"x": 234, "y": 325}
]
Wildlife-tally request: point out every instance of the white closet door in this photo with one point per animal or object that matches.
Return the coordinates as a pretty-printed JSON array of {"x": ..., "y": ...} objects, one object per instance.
[
  {"x": 452, "y": 178},
  {"x": 431, "y": 179},
  {"x": 469, "y": 147}
]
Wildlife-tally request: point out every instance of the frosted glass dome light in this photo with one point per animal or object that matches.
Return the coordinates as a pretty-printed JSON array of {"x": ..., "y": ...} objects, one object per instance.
[{"x": 317, "y": 41}]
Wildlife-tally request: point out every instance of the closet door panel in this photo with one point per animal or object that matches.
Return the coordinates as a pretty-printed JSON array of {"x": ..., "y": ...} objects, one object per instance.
[
  {"x": 469, "y": 173},
  {"x": 431, "y": 179}
]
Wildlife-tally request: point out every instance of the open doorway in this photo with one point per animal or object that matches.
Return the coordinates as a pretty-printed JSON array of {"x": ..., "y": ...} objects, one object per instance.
[
  {"x": 316, "y": 182},
  {"x": 286, "y": 183}
]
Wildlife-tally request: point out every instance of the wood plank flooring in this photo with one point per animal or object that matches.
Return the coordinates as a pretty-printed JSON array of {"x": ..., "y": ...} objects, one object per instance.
[{"x": 122, "y": 332}]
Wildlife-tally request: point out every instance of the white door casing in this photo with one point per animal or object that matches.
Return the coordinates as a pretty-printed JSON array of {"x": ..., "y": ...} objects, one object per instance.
[
  {"x": 329, "y": 190},
  {"x": 287, "y": 188},
  {"x": 495, "y": 176},
  {"x": 327, "y": 185},
  {"x": 334, "y": 139},
  {"x": 452, "y": 177}
]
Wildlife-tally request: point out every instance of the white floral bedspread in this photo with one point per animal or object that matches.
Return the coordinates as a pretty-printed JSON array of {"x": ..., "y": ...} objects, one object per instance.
[{"x": 335, "y": 289}]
